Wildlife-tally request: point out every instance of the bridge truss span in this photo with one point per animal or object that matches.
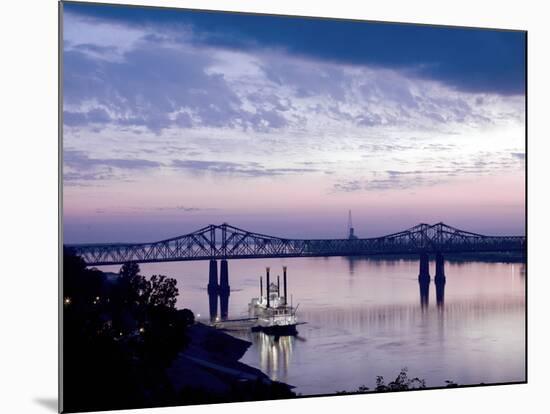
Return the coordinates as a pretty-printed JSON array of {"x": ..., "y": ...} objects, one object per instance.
[{"x": 228, "y": 242}]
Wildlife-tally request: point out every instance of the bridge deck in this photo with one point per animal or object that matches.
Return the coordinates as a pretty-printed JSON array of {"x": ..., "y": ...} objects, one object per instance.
[{"x": 228, "y": 242}]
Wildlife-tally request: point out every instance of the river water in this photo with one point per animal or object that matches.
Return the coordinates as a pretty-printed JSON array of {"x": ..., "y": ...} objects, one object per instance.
[{"x": 367, "y": 318}]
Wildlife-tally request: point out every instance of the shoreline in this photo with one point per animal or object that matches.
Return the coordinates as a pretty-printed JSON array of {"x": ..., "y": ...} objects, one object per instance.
[{"x": 209, "y": 366}]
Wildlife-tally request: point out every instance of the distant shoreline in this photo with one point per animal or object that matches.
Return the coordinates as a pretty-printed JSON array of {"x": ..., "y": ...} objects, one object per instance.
[
  {"x": 485, "y": 257},
  {"x": 489, "y": 257}
]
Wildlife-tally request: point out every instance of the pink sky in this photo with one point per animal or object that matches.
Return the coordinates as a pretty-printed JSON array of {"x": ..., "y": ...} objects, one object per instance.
[{"x": 274, "y": 141}]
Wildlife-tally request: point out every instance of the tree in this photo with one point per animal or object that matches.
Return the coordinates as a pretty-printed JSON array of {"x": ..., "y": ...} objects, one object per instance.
[
  {"x": 186, "y": 316},
  {"x": 129, "y": 270},
  {"x": 157, "y": 291},
  {"x": 119, "y": 335},
  {"x": 401, "y": 383},
  {"x": 162, "y": 291},
  {"x": 133, "y": 288}
]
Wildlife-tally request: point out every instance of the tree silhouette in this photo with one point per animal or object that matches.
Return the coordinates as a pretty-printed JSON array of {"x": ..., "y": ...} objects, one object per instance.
[
  {"x": 119, "y": 335},
  {"x": 129, "y": 270},
  {"x": 401, "y": 383},
  {"x": 162, "y": 291}
]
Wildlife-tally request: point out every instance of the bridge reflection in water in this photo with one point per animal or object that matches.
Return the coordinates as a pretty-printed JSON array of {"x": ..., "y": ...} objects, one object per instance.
[
  {"x": 374, "y": 320},
  {"x": 219, "y": 292},
  {"x": 368, "y": 327},
  {"x": 424, "y": 287},
  {"x": 275, "y": 352}
]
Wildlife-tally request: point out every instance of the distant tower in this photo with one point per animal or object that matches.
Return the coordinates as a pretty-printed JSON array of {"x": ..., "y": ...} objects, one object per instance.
[{"x": 351, "y": 235}]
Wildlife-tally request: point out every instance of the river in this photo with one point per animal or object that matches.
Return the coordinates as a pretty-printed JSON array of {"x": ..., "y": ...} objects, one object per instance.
[{"x": 367, "y": 318}]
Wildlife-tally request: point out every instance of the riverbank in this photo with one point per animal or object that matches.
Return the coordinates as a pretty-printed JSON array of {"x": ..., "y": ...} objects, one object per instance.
[
  {"x": 209, "y": 371},
  {"x": 126, "y": 345}
]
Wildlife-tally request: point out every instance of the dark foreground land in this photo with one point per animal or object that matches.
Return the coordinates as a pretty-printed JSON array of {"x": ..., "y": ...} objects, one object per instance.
[{"x": 125, "y": 345}]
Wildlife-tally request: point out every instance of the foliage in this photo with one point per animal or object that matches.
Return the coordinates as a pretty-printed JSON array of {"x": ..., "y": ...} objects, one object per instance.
[
  {"x": 157, "y": 291},
  {"x": 401, "y": 383},
  {"x": 162, "y": 291},
  {"x": 119, "y": 335}
]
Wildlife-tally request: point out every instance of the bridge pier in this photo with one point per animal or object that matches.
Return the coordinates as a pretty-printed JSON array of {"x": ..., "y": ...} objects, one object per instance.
[
  {"x": 224, "y": 289},
  {"x": 424, "y": 274},
  {"x": 213, "y": 277},
  {"x": 213, "y": 289},
  {"x": 224, "y": 276},
  {"x": 439, "y": 267},
  {"x": 439, "y": 280},
  {"x": 424, "y": 280}
]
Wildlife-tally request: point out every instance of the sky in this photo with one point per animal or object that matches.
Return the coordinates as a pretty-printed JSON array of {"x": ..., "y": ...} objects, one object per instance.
[{"x": 176, "y": 119}]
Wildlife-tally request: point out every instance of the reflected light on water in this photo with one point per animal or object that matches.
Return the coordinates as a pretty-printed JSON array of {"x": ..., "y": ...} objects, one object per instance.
[
  {"x": 275, "y": 354},
  {"x": 367, "y": 317}
]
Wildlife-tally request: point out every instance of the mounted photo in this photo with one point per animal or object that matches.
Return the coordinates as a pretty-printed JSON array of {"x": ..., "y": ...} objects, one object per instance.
[{"x": 260, "y": 207}]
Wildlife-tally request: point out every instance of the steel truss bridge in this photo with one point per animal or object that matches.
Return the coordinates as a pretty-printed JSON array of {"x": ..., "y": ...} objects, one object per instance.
[{"x": 228, "y": 242}]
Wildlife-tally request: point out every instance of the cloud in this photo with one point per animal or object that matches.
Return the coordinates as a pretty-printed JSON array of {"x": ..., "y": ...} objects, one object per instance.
[
  {"x": 152, "y": 87},
  {"x": 349, "y": 186},
  {"x": 470, "y": 60},
  {"x": 248, "y": 169},
  {"x": 157, "y": 87},
  {"x": 519, "y": 155},
  {"x": 181, "y": 208},
  {"x": 441, "y": 171},
  {"x": 203, "y": 108},
  {"x": 176, "y": 79},
  {"x": 79, "y": 160},
  {"x": 93, "y": 116},
  {"x": 86, "y": 179},
  {"x": 80, "y": 169},
  {"x": 390, "y": 182},
  {"x": 185, "y": 209},
  {"x": 98, "y": 38}
]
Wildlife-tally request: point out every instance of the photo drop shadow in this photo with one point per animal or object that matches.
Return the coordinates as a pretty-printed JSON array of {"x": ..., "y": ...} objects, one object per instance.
[{"x": 49, "y": 403}]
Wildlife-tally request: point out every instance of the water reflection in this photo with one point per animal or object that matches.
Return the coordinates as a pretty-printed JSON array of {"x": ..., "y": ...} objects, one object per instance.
[
  {"x": 364, "y": 319},
  {"x": 399, "y": 317},
  {"x": 275, "y": 354},
  {"x": 345, "y": 344},
  {"x": 351, "y": 264},
  {"x": 440, "y": 292},
  {"x": 424, "y": 285}
]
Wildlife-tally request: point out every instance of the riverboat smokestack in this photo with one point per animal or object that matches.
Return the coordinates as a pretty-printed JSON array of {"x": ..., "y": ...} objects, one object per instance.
[
  {"x": 278, "y": 285},
  {"x": 284, "y": 283},
  {"x": 261, "y": 288},
  {"x": 267, "y": 284}
]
